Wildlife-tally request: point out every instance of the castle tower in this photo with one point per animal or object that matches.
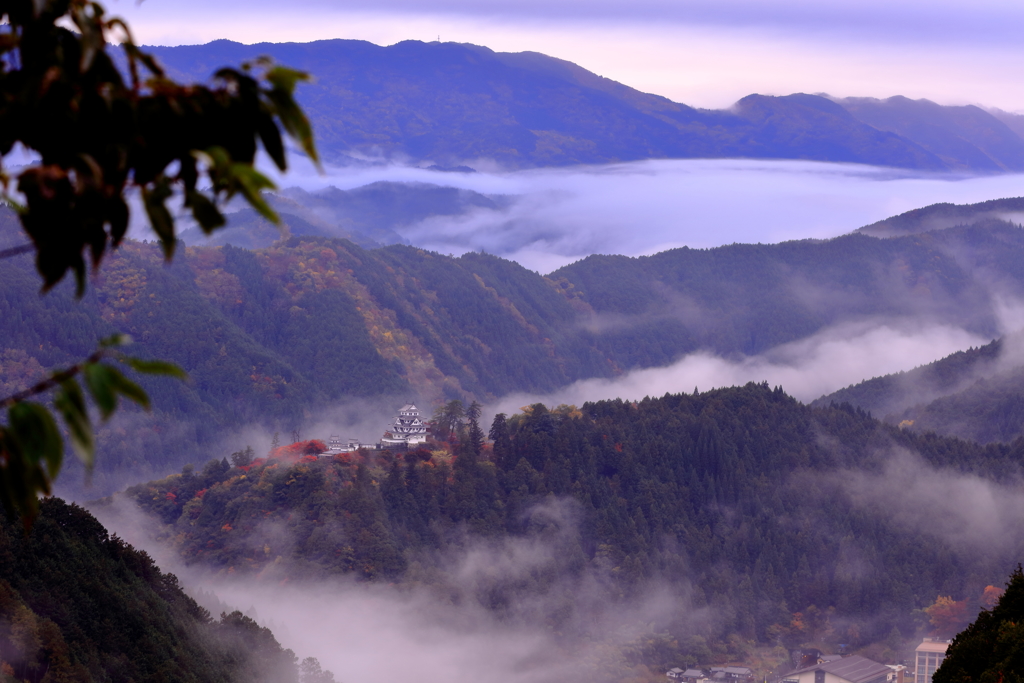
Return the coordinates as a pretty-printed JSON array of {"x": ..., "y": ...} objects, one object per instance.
[{"x": 408, "y": 427}]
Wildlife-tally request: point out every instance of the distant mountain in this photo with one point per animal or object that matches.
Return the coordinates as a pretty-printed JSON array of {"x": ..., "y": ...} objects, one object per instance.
[
  {"x": 746, "y": 298},
  {"x": 450, "y": 104},
  {"x": 890, "y": 395},
  {"x": 977, "y": 394},
  {"x": 989, "y": 410},
  {"x": 273, "y": 336},
  {"x": 939, "y": 216},
  {"x": 967, "y": 137}
]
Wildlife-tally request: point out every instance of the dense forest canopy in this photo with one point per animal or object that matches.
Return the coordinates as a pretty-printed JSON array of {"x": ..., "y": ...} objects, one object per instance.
[
  {"x": 766, "y": 507},
  {"x": 77, "y": 604},
  {"x": 270, "y": 335}
]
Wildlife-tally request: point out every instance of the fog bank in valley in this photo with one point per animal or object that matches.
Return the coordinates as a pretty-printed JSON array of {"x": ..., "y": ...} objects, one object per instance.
[
  {"x": 637, "y": 208},
  {"x": 806, "y": 369},
  {"x": 561, "y": 627}
]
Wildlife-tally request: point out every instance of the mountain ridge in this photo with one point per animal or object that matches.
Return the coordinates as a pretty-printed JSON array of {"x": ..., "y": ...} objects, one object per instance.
[{"x": 453, "y": 104}]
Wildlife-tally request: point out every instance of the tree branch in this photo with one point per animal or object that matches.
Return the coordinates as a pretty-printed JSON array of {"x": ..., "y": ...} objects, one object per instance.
[
  {"x": 15, "y": 251},
  {"x": 53, "y": 380}
]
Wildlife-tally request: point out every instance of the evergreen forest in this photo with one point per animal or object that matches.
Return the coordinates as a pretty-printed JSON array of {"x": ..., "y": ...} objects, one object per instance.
[{"x": 776, "y": 519}]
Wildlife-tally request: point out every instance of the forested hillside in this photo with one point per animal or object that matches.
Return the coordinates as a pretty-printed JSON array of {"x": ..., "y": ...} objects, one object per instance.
[
  {"x": 79, "y": 605},
  {"x": 767, "y": 506},
  {"x": 451, "y": 104},
  {"x": 940, "y": 216},
  {"x": 977, "y": 394},
  {"x": 270, "y": 336},
  {"x": 748, "y": 298},
  {"x": 367, "y": 215}
]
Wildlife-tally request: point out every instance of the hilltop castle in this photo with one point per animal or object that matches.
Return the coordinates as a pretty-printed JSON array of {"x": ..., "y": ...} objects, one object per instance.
[{"x": 407, "y": 430}]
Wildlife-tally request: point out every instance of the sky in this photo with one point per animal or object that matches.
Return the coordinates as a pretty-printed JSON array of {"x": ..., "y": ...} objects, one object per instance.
[{"x": 706, "y": 53}]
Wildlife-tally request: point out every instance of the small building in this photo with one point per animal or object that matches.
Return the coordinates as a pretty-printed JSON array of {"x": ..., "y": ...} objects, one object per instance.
[
  {"x": 408, "y": 429},
  {"x": 335, "y": 445},
  {"x": 729, "y": 674},
  {"x": 927, "y": 658},
  {"x": 899, "y": 674},
  {"x": 852, "y": 669},
  {"x": 678, "y": 675}
]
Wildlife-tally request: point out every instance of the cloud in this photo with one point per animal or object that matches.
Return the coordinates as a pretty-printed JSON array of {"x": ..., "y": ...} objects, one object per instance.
[
  {"x": 436, "y": 625},
  {"x": 822, "y": 363},
  {"x": 968, "y": 512},
  {"x": 564, "y": 214}
]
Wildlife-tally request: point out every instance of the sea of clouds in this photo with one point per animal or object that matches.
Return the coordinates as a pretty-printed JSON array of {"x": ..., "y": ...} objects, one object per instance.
[{"x": 643, "y": 207}]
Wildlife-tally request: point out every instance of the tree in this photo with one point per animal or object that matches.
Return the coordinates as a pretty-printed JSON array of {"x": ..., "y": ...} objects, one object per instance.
[
  {"x": 947, "y": 615},
  {"x": 310, "y": 672},
  {"x": 99, "y": 138},
  {"x": 447, "y": 419},
  {"x": 243, "y": 458},
  {"x": 992, "y": 648}
]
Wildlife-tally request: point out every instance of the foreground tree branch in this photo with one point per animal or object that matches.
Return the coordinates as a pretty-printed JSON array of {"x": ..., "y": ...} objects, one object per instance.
[{"x": 98, "y": 138}]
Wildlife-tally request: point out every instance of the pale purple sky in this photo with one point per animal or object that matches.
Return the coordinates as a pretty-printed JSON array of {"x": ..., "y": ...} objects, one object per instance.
[{"x": 702, "y": 52}]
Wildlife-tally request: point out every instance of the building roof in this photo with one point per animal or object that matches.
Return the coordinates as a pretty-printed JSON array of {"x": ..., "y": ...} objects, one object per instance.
[
  {"x": 932, "y": 645},
  {"x": 693, "y": 673},
  {"x": 854, "y": 668}
]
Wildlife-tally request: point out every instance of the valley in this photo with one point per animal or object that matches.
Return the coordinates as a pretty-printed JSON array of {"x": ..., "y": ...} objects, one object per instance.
[{"x": 683, "y": 394}]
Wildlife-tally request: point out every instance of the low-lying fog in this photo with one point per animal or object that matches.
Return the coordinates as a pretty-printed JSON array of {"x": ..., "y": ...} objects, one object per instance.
[
  {"x": 644, "y": 207},
  {"x": 817, "y": 365}
]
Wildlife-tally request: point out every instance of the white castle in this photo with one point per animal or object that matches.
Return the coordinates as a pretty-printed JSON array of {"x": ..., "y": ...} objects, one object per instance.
[{"x": 407, "y": 430}]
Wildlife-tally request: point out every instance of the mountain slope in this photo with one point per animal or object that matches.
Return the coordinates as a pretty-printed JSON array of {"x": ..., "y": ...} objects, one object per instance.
[
  {"x": 892, "y": 394},
  {"x": 940, "y": 216},
  {"x": 767, "y": 506},
  {"x": 965, "y": 137},
  {"x": 277, "y": 336},
  {"x": 976, "y": 394},
  {"x": 448, "y": 104},
  {"x": 368, "y": 215},
  {"x": 749, "y": 298},
  {"x": 79, "y": 605}
]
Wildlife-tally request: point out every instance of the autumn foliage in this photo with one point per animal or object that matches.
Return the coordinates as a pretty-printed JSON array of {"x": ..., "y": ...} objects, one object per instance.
[
  {"x": 948, "y": 616},
  {"x": 991, "y": 596},
  {"x": 298, "y": 450}
]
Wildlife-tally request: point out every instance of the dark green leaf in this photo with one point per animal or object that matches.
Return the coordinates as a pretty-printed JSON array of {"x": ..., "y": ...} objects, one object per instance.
[
  {"x": 159, "y": 217},
  {"x": 98, "y": 378},
  {"x": 127, "y": 388},
  {"x": 119, "y": 339},
  {"x": 35, "y": 431},
  {"x": 250, "y": 182},
  {"x": 271, "y": 138},
  {"x": 292, "y": 117},
  {"x": 205, "y": 211},
  {"x": 70, "y": 401},
  {"x": 156, "y": 367}
]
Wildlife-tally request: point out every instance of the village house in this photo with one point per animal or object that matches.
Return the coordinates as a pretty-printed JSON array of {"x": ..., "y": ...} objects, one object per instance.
[
  {"x": 731, "y": 674},
  {"x": 852, "y": 669},
  {"x": 678, "y": 675}
]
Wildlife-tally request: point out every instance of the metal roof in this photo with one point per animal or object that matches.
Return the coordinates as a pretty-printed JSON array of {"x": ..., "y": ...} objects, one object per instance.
[{"x": 854, "y": 668}]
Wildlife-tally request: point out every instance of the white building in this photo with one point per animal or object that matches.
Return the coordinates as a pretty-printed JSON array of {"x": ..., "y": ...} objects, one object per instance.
[
  {"x": 335, "y": 444},
  {"x": 928, "y": 655},
  {"x": 408, "y": 428}
]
